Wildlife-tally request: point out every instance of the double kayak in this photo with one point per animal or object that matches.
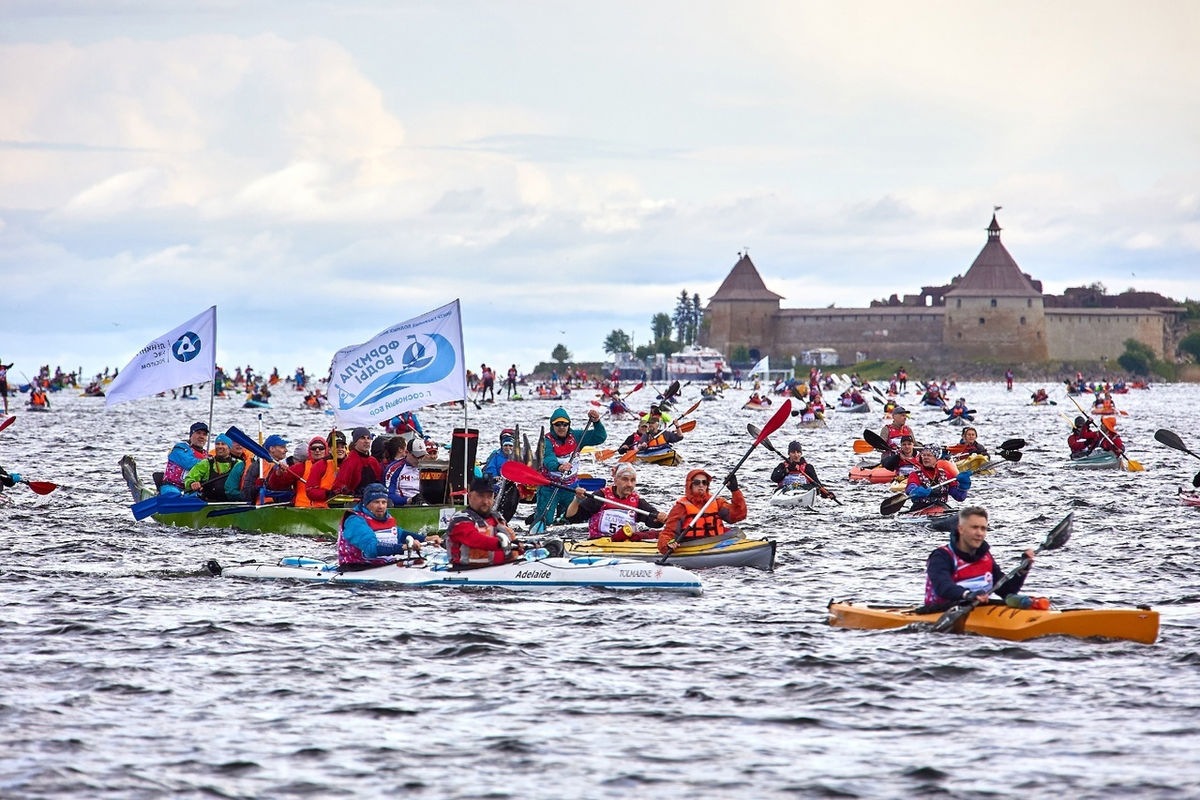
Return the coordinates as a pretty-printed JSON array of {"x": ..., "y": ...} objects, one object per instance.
[
  {"x": 757, "y": 406},
  {"x": 539, "y": 574},
  {"x": 1100, "y": 459},
  {"x": 1014, "y": 624},
  {"x": 861, "y": 408},
  {"x": 794, "y": 496},
  {"x": 726, "y": 551}
]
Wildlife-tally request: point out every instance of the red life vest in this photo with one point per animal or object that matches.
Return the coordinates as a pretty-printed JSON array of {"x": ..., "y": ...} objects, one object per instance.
[
  {"x": 385, "y": 533},
  {"x": 796, "y": 476},
  {"x": 610, "y": 519},
  {"x": 565, "y": 451},
  {"x": 173, "y": 473},
  {"x": 894, "y": 434},
  {"x": 973, "y": 575},
  {"x": 464, "y": 555}
]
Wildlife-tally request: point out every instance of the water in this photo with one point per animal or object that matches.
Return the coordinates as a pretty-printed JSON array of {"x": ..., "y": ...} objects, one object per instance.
[{"x": 129, "y": 672}]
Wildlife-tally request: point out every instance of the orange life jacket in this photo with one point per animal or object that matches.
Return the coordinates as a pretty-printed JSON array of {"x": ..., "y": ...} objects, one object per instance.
[
  {"x": 708, "y": 525},
  {"x": 301, "y": 500}
]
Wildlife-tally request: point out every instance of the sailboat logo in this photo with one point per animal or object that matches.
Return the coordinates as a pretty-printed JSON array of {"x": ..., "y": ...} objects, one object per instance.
[{"x": 427, "y": 359}]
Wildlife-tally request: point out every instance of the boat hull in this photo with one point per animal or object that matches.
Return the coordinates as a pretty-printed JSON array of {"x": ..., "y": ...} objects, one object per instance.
[
  {"x": 665, "y": 457},
  {"x": 794, "y": 497},
  {"x": 1097, "y": 460},
  {"x": 319, "y": 523},
  {"x": 539, "y": 575},
  {"x": 1013, "y": 624},
  {"x": 732, "y": 551}
]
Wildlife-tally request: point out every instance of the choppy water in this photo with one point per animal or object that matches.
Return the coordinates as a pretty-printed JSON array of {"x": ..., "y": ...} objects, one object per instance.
[{"x": 129, "y": 672}]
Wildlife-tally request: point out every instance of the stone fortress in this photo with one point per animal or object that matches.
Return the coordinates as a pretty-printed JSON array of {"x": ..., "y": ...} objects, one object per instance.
[{"x": 994, "y": 312}]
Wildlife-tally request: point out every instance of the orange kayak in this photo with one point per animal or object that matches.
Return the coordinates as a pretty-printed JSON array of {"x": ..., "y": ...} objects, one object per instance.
[{"x": 1014, "y": 624}]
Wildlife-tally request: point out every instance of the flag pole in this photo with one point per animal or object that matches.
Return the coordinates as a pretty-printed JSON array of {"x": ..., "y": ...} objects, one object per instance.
[{"x": 212, "y": 375}]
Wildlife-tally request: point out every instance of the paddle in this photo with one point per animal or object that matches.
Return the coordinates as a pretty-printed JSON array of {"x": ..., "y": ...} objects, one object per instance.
[
  {"x": 1172, "y": 440},
  {"x": 1130, "y": 464},
  {"x": 752, "y": 429},
  {"x": 517, "y": 472},
  {"x": 876, "y": 441},
  {"x": 539, "y": 525},
  {"x": 896, "y": 502},
  {"x": 773, "y": 424},
  {"x": 8, "y": 422},
  {"x": 40, "y": 487},
  {"x": 166, "y": 504},
  {"x": 863, "y": 446},
  {"x": 968, "y": 415},
  {"x": 1056, "y": 538}
]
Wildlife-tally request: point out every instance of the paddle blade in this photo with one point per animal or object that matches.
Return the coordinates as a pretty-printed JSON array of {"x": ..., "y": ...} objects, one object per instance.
[
  {"x": 1013, "y": 444},
  {"x": 953, "y": 619},
  {"x": 775, "y": 422},
  {"x": 144, "y": 508},
  {"x": 1196, "y": 480},
  {"x": 600, "y": 455},
  {"x": 1011, "y": 455},
  {"x": 892, "y": 504},
  {"x": 875, "y": 440},
  {"x": 1134, "y": 466},
  {"x": 687, "y": 427},
  {"x": 239, "y": 437},
  {"x": 628, "y": 456},
  {"x": 690, "y": 410},
  {"x": 1060, "y": 534},
  {"x": 517, "y": 472},
  {"x": 1170, "y": 439},
  {"x": 8, "y": 422},
  {"x": 862, "y": 446},
  {"x": 41, "y": 487}
]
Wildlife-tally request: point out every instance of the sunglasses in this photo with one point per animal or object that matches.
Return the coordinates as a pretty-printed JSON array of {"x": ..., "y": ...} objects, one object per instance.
[
  {"x": 317, "y": 447},
  {"x": 561, "y": 424},
  {"x": 699, "y": 483}
]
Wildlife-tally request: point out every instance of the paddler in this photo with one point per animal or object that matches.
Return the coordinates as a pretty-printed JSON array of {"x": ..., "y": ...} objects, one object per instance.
[
  {"x": 717, "y": 516},
  {"x": 1040, "y": 396},
  {"x": 1082, "y": 440},
  {"x": 8, "y": 479},
  {"x": 475, "y": 537},
  {"x": 923, "y": 482},
  {"x": 904, "y": 460},
  {"x": 964, "y": 569},
  {"x": 501, "y": 455},
  {"x": 4, "y": 368},
  {"x": 560, "y": 461},
  {"x": 208, "y": 477},
  {"x": 605, "y": 519},
  {"x": 795, "y": 471},
  {"x": 402, "y": 476},
  {"x": 657, "y": 437},
  {"x": 959, "y": 409},
  {"x": 359, "y": 469},
  {"x": 969, "y": 444},
  {"x": 368, "y": 534},
  {"x": 897, "y": 428},
  {"x": 184, "y": 456},
  {"x": 635, "y": 438},
  {"x": 320, "y": 481},
  {"x": 296, "y": 477}
]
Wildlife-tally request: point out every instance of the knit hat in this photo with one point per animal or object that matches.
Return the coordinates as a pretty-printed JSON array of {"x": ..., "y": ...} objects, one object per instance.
[
  {"x": 374, "y": 491},
  {"x": 301, "y": 452},
  {"x": 223, "y": 439},
  {"x": 482, "y": 486},
  {"x": 359, "y": 433},
  {"x": 794, "y": 447}
]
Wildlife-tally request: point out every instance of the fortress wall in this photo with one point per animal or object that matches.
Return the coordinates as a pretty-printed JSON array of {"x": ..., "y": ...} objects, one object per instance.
[
  {"x": 1003, "y": 328},
  {"x": 882, "y": 333},
  {"x": 1095, "y": 333}
]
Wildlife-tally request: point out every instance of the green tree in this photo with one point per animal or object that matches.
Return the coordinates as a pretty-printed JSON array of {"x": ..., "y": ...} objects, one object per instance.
[
  {"x": 645, "y": 352},
  {"x": 1137, "y": 359},
  {"x": 740, "y": 355},
  {"x": 660, "y": 326},
  {"x": 561, "y": 353},
  {"x": 667, "y": 346},
  {"x": 1190, "y": 344},
  {"x": 682, "y": 318},
  {"x": 618, "y": 342}
]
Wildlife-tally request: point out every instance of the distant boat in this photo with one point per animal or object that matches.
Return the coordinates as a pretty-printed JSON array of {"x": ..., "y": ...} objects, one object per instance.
[{"x": 695, "y": 363}]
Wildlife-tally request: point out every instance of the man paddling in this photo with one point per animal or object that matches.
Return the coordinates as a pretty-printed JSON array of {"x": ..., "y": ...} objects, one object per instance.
[
  {"x": 795, "y": 471},
  {"x": 359, "y": 469},
  {"x": 368, "y": 535},
  {"x": 560, "y": 462},
  {"x": 475, "y": 537},
  {"x": 607, "y": 519},
  {"x": 923, "y": 482},
  {"x": 717, "y": 516},
  {"x": 897, "y": 428},
  {"x": 208, "y": 477},
  {"x": 964, "y": 569},
  {"x": 184, "y": 456}
]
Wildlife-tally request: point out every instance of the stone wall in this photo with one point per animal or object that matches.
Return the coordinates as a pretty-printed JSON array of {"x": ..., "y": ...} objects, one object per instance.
[
  {"x": 1097, "y": 333},
  {"x": 884, "y": 332},
  {"x": 996, "y": 328}
]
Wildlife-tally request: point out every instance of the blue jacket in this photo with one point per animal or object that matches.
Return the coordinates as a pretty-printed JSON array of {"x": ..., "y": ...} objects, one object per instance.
[
  {"x": 357, "y": 532},
  {"x": 491, "y": 468}
]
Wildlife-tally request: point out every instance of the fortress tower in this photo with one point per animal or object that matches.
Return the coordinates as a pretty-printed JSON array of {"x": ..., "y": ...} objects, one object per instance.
[
  {"x": 742, "y": 312},
  {"x": 995, "y": 312}
]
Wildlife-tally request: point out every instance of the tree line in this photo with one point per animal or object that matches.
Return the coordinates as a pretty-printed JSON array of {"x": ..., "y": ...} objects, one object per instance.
[{"x": 685, "y": 322}]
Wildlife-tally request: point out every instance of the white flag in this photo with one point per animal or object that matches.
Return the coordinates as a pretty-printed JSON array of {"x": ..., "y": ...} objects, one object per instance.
[
  {"x": 410, "y": 365},
  {"x": 187, "y": 354},
  {"x": 763, "y": 366}
]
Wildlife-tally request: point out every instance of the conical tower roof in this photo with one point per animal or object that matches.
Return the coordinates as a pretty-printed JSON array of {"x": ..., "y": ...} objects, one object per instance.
[
  {"x": 994, "y": 273},
  {"x": 744, "y": 283}
]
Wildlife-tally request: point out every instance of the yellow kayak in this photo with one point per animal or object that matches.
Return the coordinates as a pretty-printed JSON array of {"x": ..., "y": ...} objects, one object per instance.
[
  {"x": 1014, "y": 624},
  {"x": 725, "y": 551}
]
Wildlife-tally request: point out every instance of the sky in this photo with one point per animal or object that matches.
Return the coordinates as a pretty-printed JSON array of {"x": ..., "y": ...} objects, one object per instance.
[{"x": 322, "y": 170}]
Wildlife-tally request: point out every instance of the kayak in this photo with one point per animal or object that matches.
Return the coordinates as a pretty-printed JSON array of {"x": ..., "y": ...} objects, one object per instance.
[
  {"x": 861, "y": 408},
  {"x": 872, "y": 474},
  {"x": 1190, "y": 499},
  {"x": 757, "y": 406},
  {"x": 541, "y": 574},
  {"x": 1100, "y": 459},
  {"x": 664, "y": 456},
  {"x": 727, "y": 551},
  {"x": 256, "y": 404},
  {"x": 812, "y": 423},
  {"x": 939, "y": 518},
  {"x": 1014, "y": 624},
  {"x": 794, "y": 496}
]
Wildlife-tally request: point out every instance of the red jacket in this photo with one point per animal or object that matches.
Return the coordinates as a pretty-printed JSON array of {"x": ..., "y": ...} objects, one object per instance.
[{"x": 355, "y": 473}]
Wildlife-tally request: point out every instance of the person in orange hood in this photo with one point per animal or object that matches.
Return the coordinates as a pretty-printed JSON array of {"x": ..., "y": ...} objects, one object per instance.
[{"x": 719, "y": 514}]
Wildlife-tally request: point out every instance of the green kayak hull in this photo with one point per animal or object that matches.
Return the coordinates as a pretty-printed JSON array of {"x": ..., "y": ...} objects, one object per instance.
[{"x": 320, "y": 523}]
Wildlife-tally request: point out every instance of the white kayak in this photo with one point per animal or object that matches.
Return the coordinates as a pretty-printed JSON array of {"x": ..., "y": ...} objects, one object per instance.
[
  {"x": 794, "y": 496},
  {"x": 538, "y": 574}
]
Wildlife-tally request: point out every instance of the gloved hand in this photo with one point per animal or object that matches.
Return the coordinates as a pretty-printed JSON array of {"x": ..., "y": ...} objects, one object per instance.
[
  {"x": 917, "y": 492},
  {"x": 505, "y": 542},
  {"x": 964, "y": 479},
  {"x": 16, "y": 477},
  {"x": 732, "y": 482}
]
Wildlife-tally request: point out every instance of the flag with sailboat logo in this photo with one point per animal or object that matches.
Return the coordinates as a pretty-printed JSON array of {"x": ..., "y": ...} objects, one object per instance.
[{"x": 410, "y": 365}]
